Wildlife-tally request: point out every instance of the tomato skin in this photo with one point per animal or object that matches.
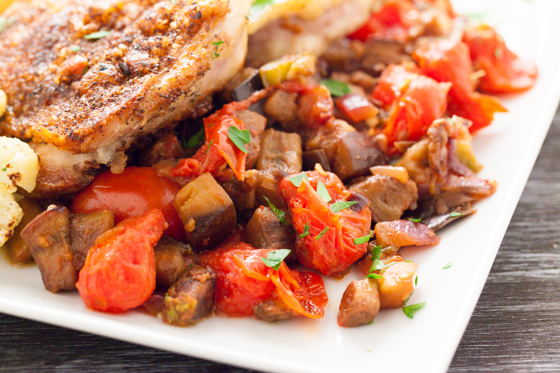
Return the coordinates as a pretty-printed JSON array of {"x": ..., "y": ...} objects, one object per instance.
[
  {"x": 356, "y": 107},
  {"x": 392, "y": 81},
  {"x": 505, "y": 71},
  {"x": 134, "y": 192},
  {"x": 335, "y": 250},
  {"x": 120, "y": 271}
]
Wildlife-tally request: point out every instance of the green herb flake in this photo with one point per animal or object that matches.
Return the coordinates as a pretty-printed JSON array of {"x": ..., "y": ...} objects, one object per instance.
[
  {"x": 217, "y": 44},
  {"x": 416, "y": 280},
  {"x": 323, "y": 192},
  {"x": 321, "y": 234},
  {"x": 498, "y": 53},
  {"x": 6, "y": 22},
  {"x": 364, "y": 239},
  {"x": 196, "y": 138},
  {"x": 275, "y": 258},
  {"x": 173, "y": 2},
  {"x": 336, "y": 87},
  {"x": 407, "y": 299},
  {"x": 341, "y": 205},
  {"x": 298, "y": 179},
  {"x": 409, "y": 311},
  {"x": 448, "y": 265},
  {"x": 455, "y": 214},
  {"x": 74, "y": 48},
  {"x": 97, "y": 35},
  {"x": 305, "y": 231},
  {"x": 209, "y": 146},
  {"x": 239, "y": 137},
  {"x": 373, "y": 275},
  {"x": 281, "y": 214},
  {"x": 5, "y": 169},
  {"x": 259, "y": 7},
  {"x": 415, "y": 220}
]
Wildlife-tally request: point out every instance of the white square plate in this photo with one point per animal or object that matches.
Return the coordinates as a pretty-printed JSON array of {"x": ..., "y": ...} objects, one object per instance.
[{"x": 507, "y": 149}]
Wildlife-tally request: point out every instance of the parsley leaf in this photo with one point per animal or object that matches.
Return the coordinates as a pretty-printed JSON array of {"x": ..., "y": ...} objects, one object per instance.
[
  {"x": 239, "y": 137},
  {"x": 336, "y": 87},
  {"x": 455, "y": 214},
  {"x": 409, "y": 311},
  {"x": 275, "y": 258},
  {"x": 321, "y": 234},
  {"x": 97, "y": 35},
  {"x": 173, "y": 2},
  {"x": 196, "y": 138},
  {"x": 305, "y": 231},
  {"x": 323, "y": 192},
  {"x": 259, "y": 7},
  {"x": 341, "y": 205},
  {"x": 74, "y": 48},
  {"x": 281, "y": 214},
  {"x": 448, "y": 265},
  {"x": 298, "y": 179},
  {"x": 416, "y": 280},
  {"x": 6, "y": 22},
  {"x": 364, "y": 239},
  {"x": 5, "y": 169},
  {"x": 415, "y": 220},
  {"x": 373, "y": 275},
  {"x": 217, "y": 44},
  {"x": 209, "y": 145}
]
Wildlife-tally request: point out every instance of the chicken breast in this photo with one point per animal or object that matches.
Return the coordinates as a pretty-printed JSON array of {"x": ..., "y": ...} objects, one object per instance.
[
  {"x": 296, "y": 26},
  {"x": 94, "y": 75}
]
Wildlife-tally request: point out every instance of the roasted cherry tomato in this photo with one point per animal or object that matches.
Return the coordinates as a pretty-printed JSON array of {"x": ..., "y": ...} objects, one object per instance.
[
  {"x": 393, "y": 81},
  {"x": 120, "y": 270},
  {"x": 326, "y": 234},
  {"x": 504, "y": 71},
  {"x": 449, "y": 61},
  {"x": 245, "y": 281},
  {"x": 356, "y": 107},
  {"x": 132, "y": 193}
]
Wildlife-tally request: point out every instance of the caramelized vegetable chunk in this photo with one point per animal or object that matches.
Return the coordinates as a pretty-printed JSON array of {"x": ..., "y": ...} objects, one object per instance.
[
  {"x": 206, "y": 210},
  {"x": 400, "y": 233},
  {"x": 360, "y": 303},
  {"x": 282, "y": 107},
  {"x": 266, "y": 231},
  {"x": 191, "y": 298},
  {"x": 396, "y": 284},
  {"x": 355, "y": 153},
  {"x": 84, "y": 230},
  {"x": 256, "y": 124},
  {"x": 120, "y": 270},
  {"x": 281, "y": 151},
  {"x": 18, "y": 252},
  {"x": 311, "y": 157},
  {"x": 47, "y": 237},
  {"x": 273, "y": 311},
  {"x": 172, "y": 258}
]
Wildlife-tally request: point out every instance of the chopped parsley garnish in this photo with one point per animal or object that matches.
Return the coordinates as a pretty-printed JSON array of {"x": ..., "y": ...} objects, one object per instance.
[
  {"x": 217, "y": 44},
  {"x": 197, "y": 137},
  {"x": 97, "y": 35},
  {"x": 377, "y": 264},
  {"x": 298, "y": 179},
  {"x": 5, "y": 169},
  {"x": 455, "y": 214},
  {"x": 364, "y": 239},
  {"x": 74, "y": 48},
  {"x": 6, "y": 22},
  {"x": 275, "y": 258},
  {"x": 321, "y": 234},
  {"x": 323, "y": 192},
  {"x": 336, "y": 87},
  {"x": 173, "y": 2},
  {"x": 448, "y": 265},
  {"x": 406, "y": 301},
  {"x": 416, "y": 280},
  {"x": 341, "y": 205},
  {"x": 239, "y": 137},
  {"x": 281, "y": 214},
  {"x": 305, "y": 231},
  {"x": 259, "y": 7},
  {"x": 415, "y": 220},
  {"x": 209, "y": 145},
  {"x": 409, "y": 311}
]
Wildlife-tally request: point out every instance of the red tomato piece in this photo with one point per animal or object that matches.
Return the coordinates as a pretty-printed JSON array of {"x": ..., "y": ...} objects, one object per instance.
[
  {"x": 329, "y": 247},
  {"x": 423, "y": 101},
  {"x": 120, "y": 271},
  {"x": 449, "y": 61},
  {"x": 134, "y": 192},
  {"x": 400, "y": 233},
  {"x": 356, "y": 107},
  {"x": 505, "y": 71},
  {"x": 315, "y": 106},
  {"x": 393, "y": 81}
]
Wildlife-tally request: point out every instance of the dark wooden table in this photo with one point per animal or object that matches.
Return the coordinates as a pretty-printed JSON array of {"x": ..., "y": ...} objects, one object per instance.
[{"x": 515, "y": 327}]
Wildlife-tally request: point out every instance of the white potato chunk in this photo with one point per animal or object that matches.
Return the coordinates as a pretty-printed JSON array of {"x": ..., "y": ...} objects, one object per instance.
[{"x": 19, "y": 164}]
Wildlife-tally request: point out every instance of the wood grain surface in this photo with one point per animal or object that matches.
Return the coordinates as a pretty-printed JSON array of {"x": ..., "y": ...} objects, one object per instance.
[{"x": 515, "y": 326}]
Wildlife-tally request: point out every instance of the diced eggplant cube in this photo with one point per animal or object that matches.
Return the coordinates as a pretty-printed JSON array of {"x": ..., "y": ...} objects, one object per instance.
[
  {"x": 311, "y": 157},
  {"x": 191, "y": 298},
  {"x": 18, "y": 252},
  {"x": 282, "y": 107},
  {"x": 356, "y": 152},
  {"x": 280, "y": 151},
  {"x": 206, "y": 211},
  {"x": 360, "y": 303},
  {"x": 272, "y": 311},
  {"x": 266, "y": 231},
  {"x": 84, "y": 229},
  {"x": 256, "y": 125},
  {"x": 47, "y": 237},
  {"x": 172, "y": 258}
]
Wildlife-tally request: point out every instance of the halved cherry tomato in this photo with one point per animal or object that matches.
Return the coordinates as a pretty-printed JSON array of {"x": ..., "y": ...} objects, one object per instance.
[
  {"x": 356, "y": 107},
  {"x": 243, "y": 281},
  {"x": 329, "y": 247},
  {"x": 449, "y": 61},
  {"x": 134, "y": 192},
  {"x": 505, "y": 71},
  {"x": 393, "y": 81},
  {"x": 120, "y": 270}
]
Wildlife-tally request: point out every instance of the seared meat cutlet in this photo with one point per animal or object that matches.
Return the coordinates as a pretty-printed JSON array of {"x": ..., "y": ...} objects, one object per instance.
[{"x": 91, "y": 76}]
